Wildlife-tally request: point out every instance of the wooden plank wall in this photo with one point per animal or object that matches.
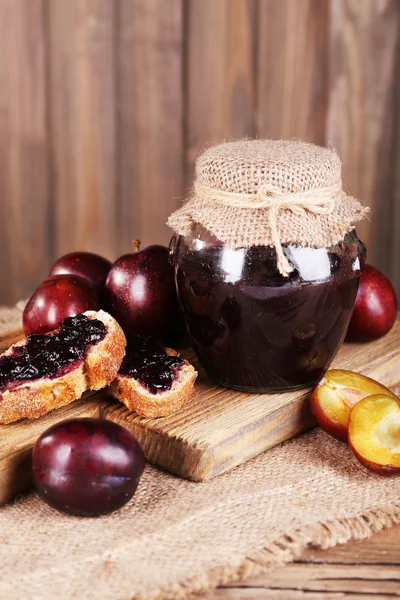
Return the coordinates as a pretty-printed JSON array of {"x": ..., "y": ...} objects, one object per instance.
[{"x": 104, "y": 105}]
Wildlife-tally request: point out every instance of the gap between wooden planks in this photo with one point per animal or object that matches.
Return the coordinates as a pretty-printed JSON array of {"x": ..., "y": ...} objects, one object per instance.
[
  {"x": 216, "y": 431},
  {"x": 358, "y": 570}
]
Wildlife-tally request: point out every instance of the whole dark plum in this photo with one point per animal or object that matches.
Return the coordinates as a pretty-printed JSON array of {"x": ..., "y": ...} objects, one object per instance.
[
  {"x": 57, "y": 298},
  {"x": 87, "y": 467},
  {"x": 85, "y": 264},
  {"x": 375, "y": 309},
  {"x": 140, "y": 293}
]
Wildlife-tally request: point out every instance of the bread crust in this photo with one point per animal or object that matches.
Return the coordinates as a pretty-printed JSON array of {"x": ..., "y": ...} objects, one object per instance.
[
  {"x": 99, "y": 367},
  {"x": 130, "y": 392},
  {"x": 104, "y": 359}
]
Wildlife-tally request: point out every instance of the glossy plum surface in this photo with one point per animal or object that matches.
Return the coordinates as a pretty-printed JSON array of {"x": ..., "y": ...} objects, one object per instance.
[
  {"x": 87, "y": 467},
  {"x": 374, "y": 433},
  {"x": 336, "y": 394},
  {"x": 50, "y": 355},
  {"x": 91, "y": 266},
  {"x": 141, "y": 295},
  {"x": 375, "y": 308},
  {"x": 56, "y": 298}
]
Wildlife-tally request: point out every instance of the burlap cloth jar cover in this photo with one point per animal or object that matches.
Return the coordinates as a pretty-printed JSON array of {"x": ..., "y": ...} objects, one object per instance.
[
  {"x": 176, "y": 537},
  {"x": 270, "y": 193}
]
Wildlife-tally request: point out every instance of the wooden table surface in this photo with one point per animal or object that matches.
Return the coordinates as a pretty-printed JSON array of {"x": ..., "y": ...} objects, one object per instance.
[{"x": 358, "y": 570}]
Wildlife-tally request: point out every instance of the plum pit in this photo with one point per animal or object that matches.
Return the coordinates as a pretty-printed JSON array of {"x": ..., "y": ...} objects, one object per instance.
[
  {"x": 388, "y": 432},
  {"x": 374, "y": 433},
  {"x": 336, "y": 395}
]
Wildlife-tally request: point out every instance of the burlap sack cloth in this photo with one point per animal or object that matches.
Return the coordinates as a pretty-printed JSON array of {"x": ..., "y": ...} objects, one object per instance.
[
  {"x": 269, "y": 193},
  {"x": 176, "y": 537}
]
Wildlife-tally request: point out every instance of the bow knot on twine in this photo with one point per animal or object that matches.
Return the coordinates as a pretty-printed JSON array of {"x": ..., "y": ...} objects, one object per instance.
[{"x": 271, "y": 198}]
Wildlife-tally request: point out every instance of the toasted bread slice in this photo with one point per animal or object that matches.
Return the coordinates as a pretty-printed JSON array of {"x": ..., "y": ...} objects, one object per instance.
[
  {"x": 101, "y": 362},
  {"x": 136, "y": 397}
]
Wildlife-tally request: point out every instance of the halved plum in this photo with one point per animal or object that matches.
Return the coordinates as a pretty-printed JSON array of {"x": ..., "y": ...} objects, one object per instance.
[
  {"x": 374, "y": 433},
  {"x": 334, "y": 396}
]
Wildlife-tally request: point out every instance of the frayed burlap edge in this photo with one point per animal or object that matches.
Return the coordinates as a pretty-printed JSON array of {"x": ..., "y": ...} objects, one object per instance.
[
  {"x": 252, "y": 227},
  {"x": 269, "y": 193},
  {"x": 283, "y": 550}
]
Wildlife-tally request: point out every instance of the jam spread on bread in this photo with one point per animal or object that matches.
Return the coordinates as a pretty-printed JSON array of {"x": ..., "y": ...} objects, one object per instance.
[
  {"x": 51, "y": 355},
  {"x": 147, "y": 361}
]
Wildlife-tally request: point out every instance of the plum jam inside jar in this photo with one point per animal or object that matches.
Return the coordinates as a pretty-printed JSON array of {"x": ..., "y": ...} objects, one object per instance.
[
  {"x": 253, "y": 329},
  {"x": 267, "y": 263}
]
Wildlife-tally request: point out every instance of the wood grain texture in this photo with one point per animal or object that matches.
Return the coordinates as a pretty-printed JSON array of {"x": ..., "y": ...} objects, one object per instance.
[
  {"x": 220, "y": 73},
  {"x": 82, "y": 95},
  {"x": 364, "y": 48},
  {"x": 10, "y": 326},
  {"x": 218, "y": 429},
  {"x": 358, "y": 570},
  {"x": 24, "y": 182},
  {"x": 388, "y": 253},
  {"x": 104, "y": 105},
  {"x": 292, "y": 82},
  {"x": 150, "y": 118},
  {"x": 17, "y": 440},
  {"x": 380, "y": 550}
]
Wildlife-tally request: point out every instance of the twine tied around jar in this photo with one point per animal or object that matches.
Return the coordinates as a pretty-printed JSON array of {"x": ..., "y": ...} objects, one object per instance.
[
  {"x": 275, "y": 193},
  {"x": 318, "y": 201}
]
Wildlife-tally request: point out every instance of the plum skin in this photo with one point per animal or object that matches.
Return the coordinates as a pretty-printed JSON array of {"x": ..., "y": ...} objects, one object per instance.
[
  {"x": 87, "y": 467},
  {"x": 384, "y": 470},
  {"x": 56, "y": 298},
  {"x": 140, "y": 294},
  {"x": 336, "y": 430},
  {"x": 92, "y": 267},
  {"x": 375, "y": 308},
  {"x": 376, "y": 418},
  {"x": 357, "y": 381}
]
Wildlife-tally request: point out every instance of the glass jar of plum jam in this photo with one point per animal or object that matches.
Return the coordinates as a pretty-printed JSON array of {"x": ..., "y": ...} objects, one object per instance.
[
  {"x": 267, "y": 262},
  {"x": 255, "y": 330}
]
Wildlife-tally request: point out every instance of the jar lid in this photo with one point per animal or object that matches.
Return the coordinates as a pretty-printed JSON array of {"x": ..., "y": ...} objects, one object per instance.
[{"x": 268, "y": 193}]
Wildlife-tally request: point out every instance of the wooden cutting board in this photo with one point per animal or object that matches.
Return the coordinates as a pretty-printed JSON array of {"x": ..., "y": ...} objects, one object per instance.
[{"x": 218, "y": 430}]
